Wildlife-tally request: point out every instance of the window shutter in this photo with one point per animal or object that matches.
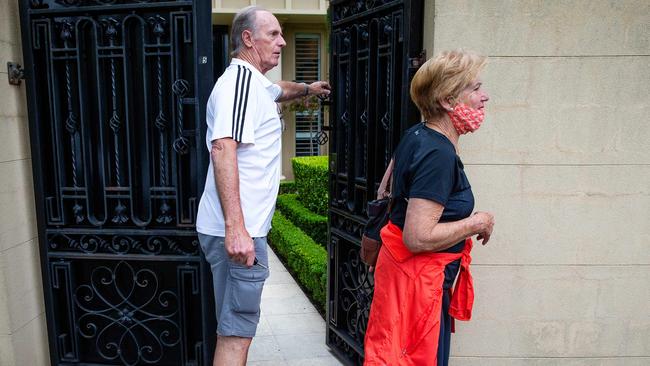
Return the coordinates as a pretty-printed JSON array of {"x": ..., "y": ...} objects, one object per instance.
[{"x": 308, "y": 65}]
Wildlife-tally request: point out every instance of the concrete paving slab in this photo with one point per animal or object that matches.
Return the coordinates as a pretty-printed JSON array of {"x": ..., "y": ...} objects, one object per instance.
[
  {"x": 303, "y": 346},
  {"x": 291, "y": 331}
]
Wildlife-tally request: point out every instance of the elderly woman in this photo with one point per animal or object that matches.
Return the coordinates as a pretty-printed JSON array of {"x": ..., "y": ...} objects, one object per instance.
[{"x": 427, "y": 240}]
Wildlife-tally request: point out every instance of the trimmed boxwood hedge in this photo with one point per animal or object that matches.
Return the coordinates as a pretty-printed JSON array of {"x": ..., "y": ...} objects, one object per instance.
[
  {"x": 313, "y": 224},
  {"x": 311, "y": 176},
  {"x": 287, "y": 186},
  {"x": 307, "y": 261}
]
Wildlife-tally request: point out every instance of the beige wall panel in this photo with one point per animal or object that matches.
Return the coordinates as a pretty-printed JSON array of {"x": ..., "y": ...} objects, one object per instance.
[
  {"x": 15, "y": 138},
  {"x": 564, "y": 214},
  {"x": 5, "y": 321},
  {"x": 6, "y": 351},
  {"x": 564, "y": 111},
  {"x": 12, "y": 98},
  {"x": 24, "y": 287},
  {"x": 306, "y": 4},
  {"x": 557, "y": 311},
  {"x": 10, "y": 48},
  {"x": 234, "y": 4},
  {"x": 8, "y": 52},
  {"x": 590, "y": 361},
  {"x": 288, "y": 148},
  {"x": 30, "y": 344},
  {"x": 18, "y": 221},
  {"x": 548, "y": 28},
  {"x": 272, "y": 4}
]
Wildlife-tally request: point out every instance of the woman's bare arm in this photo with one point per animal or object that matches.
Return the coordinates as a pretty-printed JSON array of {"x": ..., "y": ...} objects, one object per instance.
[{"x": 424, "y": 233}]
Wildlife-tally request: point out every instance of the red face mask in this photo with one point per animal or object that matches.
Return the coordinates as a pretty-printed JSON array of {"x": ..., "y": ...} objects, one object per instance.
[{"x": 465, "y": 118}]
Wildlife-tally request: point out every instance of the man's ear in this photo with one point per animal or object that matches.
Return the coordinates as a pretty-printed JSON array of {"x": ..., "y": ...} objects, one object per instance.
[{"x": 247, "y": 37}]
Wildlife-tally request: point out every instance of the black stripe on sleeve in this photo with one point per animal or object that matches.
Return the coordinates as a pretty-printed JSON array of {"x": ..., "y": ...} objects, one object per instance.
[
  {"x": 248, "y": 85},
  {"x": 234, "y": 107},
  {"x": 240, "y": 100}
]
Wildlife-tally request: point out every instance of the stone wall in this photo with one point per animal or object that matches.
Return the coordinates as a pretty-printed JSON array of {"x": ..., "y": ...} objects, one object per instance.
[
  {"x": 563, "y": 161},
  {"x": 23, "y": 336}
]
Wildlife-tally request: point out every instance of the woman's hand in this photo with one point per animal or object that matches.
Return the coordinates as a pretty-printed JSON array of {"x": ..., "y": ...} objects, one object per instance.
[{"x": 483, "y": 224}]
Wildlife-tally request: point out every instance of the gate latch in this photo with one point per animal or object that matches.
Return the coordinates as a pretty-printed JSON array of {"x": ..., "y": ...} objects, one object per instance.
[
  {"x": 416, "y": 62},
  {"x": 15, "y": 73}
]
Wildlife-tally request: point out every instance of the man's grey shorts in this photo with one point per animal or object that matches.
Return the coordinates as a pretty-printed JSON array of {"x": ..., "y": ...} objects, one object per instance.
[{"x": 237, "y": 288}]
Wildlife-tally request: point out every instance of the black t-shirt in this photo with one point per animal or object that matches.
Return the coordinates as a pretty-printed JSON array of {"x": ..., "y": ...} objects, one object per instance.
[{"x": 426, "y": 166}]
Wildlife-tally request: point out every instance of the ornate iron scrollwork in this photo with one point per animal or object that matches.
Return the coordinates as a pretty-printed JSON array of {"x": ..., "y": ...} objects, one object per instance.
[
  {"x": 158, "y": 25},
  {"x": 71, "y": 3},
  {"x": 72, "y": 120},
  {"x": 181, "y": 88},
  {"x": 128, "y": 315},
  {"x": 355, "y": 294},
  {"x": 124, "y": 244},
  {"x": 37, "y": 4}
]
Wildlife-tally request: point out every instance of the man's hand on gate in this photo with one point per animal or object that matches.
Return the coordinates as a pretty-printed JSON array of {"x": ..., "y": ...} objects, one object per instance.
[
  {"x": 240, "y": 246},
  {"x": 320, "y": 88}
]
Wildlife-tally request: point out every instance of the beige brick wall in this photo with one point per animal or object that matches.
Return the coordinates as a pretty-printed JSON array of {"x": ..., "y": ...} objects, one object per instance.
[
  {"x": 276, "y": 6},
  {"x": 563, "y": 160},
  {"x": 23, "y": 337}
]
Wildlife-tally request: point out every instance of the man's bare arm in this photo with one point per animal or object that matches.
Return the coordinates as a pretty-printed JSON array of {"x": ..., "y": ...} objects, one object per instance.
[
  {"x": 239, "y": 244},
  {"x": 291, "y": 90}
]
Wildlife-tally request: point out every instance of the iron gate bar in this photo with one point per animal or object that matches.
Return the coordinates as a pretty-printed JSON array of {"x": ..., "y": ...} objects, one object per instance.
[
  {"x": 139, "y": 257},
  {"x": 114, "y": 94}
]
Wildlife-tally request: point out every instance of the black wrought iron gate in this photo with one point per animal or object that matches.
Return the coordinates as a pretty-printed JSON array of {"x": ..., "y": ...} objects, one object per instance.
[
  {"x": 376, "y": 48},
  {"x": 116, "y": 94}
]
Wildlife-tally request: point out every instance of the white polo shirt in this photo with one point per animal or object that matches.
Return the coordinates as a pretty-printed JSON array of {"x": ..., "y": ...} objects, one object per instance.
[{"x": 242, "y": 106}]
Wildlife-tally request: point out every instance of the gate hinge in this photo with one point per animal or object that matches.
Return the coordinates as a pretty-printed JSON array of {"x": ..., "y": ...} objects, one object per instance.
[
  {"x": 15, "y": 73},
  {"x": 416, "y": 62}
]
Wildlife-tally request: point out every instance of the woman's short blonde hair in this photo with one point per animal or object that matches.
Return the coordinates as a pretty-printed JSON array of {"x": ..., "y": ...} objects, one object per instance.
[{"x": 444, "y": 76}]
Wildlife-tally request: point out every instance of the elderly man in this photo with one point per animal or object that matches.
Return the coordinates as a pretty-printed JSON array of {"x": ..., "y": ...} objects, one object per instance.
[{"x": 244, "y": 139}]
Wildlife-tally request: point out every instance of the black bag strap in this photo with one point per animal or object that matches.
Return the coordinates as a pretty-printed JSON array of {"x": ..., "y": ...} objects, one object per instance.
[{"x": 391, "y": 167}]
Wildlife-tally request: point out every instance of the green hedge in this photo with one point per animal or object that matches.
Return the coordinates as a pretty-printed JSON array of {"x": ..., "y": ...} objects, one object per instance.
[
  {"x": 287, "y": 186},
  {"x": 306, "y": 260},
  {"x": 313, "y": 224},
  {"x": 311, "y": 182}
]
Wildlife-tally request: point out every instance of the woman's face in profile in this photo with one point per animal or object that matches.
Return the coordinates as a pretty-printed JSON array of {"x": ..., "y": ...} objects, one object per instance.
[{"x": 474, "y": 96}]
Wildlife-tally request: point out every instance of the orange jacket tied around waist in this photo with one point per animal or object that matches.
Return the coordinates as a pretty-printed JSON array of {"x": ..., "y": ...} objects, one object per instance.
[{"x": 404, "y": 323}]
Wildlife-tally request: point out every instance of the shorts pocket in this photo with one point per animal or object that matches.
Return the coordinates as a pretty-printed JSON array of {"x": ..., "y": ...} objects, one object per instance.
[{"x": 246, "y": 284}]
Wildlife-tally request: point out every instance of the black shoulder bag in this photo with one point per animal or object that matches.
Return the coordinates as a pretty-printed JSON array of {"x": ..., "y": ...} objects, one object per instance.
[{"x": 378, "y": 213}]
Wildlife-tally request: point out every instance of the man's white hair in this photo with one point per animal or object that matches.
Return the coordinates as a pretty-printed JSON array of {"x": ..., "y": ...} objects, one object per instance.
[{"x": 243, "y": 20}]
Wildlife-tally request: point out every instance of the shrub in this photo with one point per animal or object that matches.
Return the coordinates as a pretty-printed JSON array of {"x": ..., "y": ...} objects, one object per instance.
[
  {"x": 313, "y": 224},
  {"x": 306, "y": 260},
  {"x": 287, "y": 186},
  {"x": 311, "y": 175}
]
